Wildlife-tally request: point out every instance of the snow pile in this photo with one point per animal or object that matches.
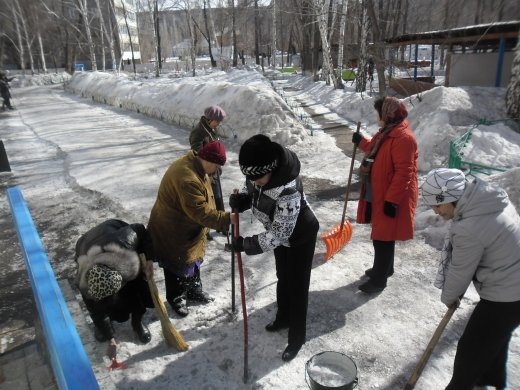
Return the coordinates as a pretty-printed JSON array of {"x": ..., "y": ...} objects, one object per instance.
[
  {"x": 437, "y": 117},
  {"x": 444, "y": 114},
  {"x": 28, "y": 80},
  {"x": 255, "y": 106}
]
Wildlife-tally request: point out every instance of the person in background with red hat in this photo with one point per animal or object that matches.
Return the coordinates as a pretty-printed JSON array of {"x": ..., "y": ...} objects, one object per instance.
[
  {"x": 274, "y": 193},
  {"x": 206, "y": 131},
  {"x": 389, "y": 189},
  {"x": 179, "y": 221}
]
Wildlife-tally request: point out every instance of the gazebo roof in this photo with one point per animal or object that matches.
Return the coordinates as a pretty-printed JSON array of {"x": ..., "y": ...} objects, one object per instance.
[{"x": 476, "y": 36}]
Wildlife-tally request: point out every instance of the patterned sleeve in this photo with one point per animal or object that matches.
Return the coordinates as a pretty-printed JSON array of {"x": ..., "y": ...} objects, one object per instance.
[{"x": 279, "y": 231}]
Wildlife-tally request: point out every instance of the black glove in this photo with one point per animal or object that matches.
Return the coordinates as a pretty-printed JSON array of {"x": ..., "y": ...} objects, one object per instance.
[
  {"x": 390, "y": 209},
  {"x": 356, "y": 138},
  {"x": 237, "y": 244},
  {"x": 239, "y": 202}
]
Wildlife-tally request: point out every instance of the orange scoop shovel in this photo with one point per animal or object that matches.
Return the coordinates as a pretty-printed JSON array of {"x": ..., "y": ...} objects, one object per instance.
[{"x": 339, "y": 235}]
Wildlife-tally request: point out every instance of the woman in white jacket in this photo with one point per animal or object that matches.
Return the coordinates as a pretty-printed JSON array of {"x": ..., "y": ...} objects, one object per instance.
[{"x": 483, "y": 246}]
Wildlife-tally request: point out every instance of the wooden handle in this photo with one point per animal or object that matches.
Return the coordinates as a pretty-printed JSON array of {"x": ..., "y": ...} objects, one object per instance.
[
  {"x": 349, "y": 179},
  {"x": 429, "y": 349}
]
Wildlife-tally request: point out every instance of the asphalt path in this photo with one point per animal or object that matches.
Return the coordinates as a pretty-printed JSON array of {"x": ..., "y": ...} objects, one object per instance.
[{"x": 40, "y": 169}]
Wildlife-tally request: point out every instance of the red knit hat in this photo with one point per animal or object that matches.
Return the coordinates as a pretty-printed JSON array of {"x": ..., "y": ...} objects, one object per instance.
[{"x": 214, "y": 152}]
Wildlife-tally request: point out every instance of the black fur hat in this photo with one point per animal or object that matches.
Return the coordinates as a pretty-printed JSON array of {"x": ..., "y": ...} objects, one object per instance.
[{"x": 257, "y": 157}]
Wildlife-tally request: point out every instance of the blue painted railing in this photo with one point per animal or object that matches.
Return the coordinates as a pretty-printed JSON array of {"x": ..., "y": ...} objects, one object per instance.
[{"x": 70, "y": 363}]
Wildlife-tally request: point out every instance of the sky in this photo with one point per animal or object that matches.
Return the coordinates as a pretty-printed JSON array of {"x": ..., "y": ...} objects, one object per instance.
[{"x": 99, "y": 149}]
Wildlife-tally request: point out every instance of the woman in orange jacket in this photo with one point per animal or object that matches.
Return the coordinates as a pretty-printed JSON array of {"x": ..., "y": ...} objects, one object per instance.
[{"x": 389, "y": 187}]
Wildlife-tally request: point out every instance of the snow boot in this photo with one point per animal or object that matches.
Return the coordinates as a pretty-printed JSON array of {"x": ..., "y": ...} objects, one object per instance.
[
  {"x": 180, "y": 305},
  {"x": 142, "y": 331},
  {"x": 104, "y": 334},
  {"x": 276, "y": 325},
  {"x": 195, "y": 292},
  {"x": 177, "y": 295},
  {"x": 290, "y": 352},
  {"x": 370, "y": 288},
  {"x": 370, "y": 272}
]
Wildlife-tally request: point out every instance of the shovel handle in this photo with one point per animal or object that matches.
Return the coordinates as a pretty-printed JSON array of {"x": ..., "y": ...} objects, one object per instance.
[
  {"x": 349, "y": 180},
  {"x": 429, "y": 349}
]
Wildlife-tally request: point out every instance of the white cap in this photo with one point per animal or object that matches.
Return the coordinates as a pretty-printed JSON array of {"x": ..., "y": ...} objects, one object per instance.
[{"x": 443, "y": 185}]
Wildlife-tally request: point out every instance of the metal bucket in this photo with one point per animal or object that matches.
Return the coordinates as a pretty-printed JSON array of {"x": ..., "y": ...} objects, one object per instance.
[{"x": 331, "y": 370}]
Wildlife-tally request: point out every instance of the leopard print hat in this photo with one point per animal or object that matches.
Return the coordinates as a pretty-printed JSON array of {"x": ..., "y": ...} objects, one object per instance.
[{"x": 103, "y": 282}]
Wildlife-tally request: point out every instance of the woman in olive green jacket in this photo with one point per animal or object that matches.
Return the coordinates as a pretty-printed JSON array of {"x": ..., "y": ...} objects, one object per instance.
[{"x": 179, "y": 221}]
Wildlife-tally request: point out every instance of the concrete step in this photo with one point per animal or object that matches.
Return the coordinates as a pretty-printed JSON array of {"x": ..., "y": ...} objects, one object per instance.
[{"x": 26, "y": 368}]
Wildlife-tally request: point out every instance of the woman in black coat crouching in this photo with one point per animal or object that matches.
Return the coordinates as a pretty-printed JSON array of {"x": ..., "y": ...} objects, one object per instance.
[{"x": 110, "y": 278}]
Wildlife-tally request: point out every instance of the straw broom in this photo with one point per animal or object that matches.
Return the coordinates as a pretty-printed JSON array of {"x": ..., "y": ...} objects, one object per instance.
[{"x": 171, "y": 335}]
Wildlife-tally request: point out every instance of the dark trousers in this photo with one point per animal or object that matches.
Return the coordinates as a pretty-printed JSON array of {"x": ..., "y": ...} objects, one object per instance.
[
  {"x": 481, "y": 358},
  {"x": 217, "y": 192},
  {"x": 383, "y": 265},
  {"x": 293, "y": 270}
]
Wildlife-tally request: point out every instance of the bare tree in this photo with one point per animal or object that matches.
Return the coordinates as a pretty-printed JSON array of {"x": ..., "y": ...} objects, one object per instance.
[
  {"x": 257, "y": 35},
  {"x": 513, "y": 89},
  {"x": 83, "y": 8},
  {"x": 341, "y": 43},
  {"x": 125, "y": 16},
  {"x": 234, "y": 32},
  {"x": 361, "y": 76},
  {"x": 18, "y": 39},
  {"x": 322, "y": 12},
  {"x": 208, "y": 34},
  {"x": 193, "y": 36},
  {"x": 379, "y": 48},
  {"x": 273, "y": 34}
]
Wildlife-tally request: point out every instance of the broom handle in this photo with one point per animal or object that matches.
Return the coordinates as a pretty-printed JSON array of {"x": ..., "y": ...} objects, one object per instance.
[
  {"x": 429, "y": 349},
  {"x": 349, "y": 180},
  {"x": 243, "y": 295}
]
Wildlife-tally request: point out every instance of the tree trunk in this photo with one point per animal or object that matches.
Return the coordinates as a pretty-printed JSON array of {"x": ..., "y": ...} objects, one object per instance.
[
  {"x": 20, "y": 47},
  {"x": 233, "y": 22},
  {"x": 341, "y": 43},
  {"x": 257, "y": 35},
  {"x": 273, "y": 35},
  {"x": 42, "y": 51},
  {"x": 83, "y": 9},
  {"x": 157, "y": 34},
  {"x": 208, "y": 36},
  {"x": 191, "y": 31},
  {"x": 379, "y": 49},
  {"x": 513, "y": 89},
  {"x": 125, "y": 15},
  {"x": 361, "y": 76},
  {"x": 327, "y": 67}
]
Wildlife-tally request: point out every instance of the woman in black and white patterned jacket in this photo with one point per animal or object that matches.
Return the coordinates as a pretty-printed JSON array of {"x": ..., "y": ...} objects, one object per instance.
[{"x": 274, "y": 192}]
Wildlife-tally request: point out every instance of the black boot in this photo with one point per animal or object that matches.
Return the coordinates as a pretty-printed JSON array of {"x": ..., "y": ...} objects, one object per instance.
[
  {"x": 195, "y": 292},
  {"x": 276, "y": 325},
  {"x": 180, "y": 306},
  {"x": 370, "y": 272},
  {"x": 176, "y": 291},
  {"x": 142, "y": 331},
  {"x": 290, "y": 352},
  {"x": 104, "y": 331},
  {"x": 370, "y": 288}
]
